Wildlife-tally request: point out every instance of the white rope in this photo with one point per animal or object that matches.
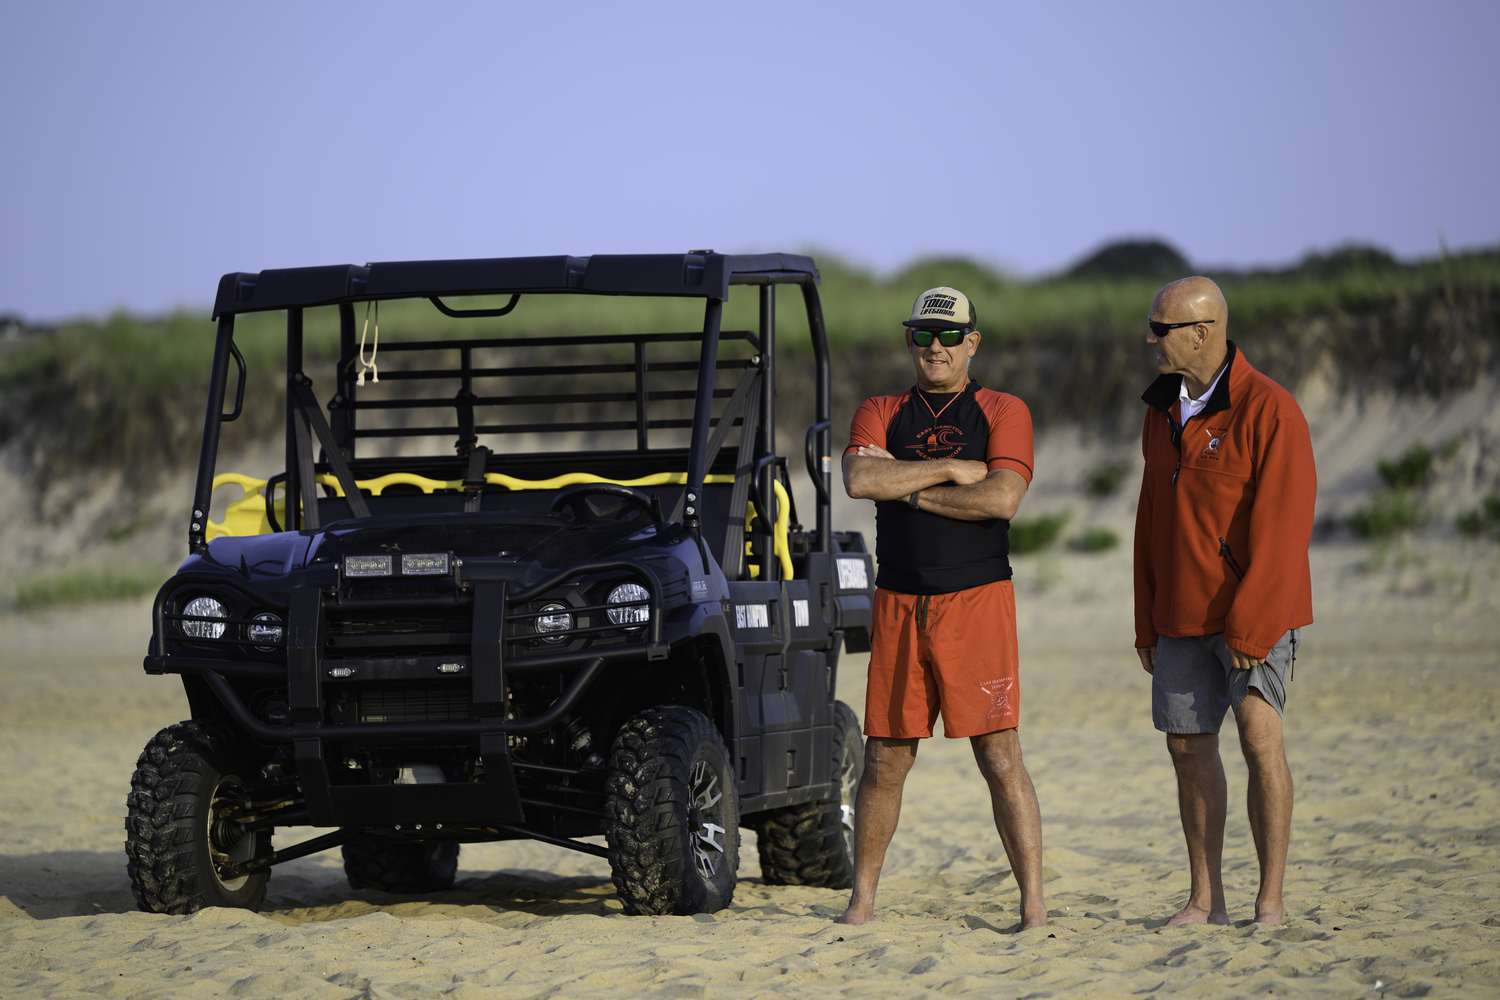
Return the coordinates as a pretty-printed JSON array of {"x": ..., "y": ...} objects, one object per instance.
[{"x": 369, "y": 366}]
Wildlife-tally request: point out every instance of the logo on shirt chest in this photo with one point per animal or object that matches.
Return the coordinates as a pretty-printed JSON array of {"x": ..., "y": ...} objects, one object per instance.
[
  {"x": 942, "y": 441},
  {"x": 1214, "y": 449}
]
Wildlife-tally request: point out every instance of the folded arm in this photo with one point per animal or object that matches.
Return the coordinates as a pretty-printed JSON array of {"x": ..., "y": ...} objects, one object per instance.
[{"x": 977, "y": 494}]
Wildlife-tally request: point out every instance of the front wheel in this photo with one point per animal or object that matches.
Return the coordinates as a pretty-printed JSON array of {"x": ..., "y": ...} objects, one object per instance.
[
  {"x": 672, "y": 814},
  {"x": 813, "y": 844},
  {"x": 182, "y": 826}
]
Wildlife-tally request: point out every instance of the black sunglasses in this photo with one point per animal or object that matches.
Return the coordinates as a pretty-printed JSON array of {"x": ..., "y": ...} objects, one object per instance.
[
  {"x": 1162, "y": 329},
  {"x": 948, "y": 338}
]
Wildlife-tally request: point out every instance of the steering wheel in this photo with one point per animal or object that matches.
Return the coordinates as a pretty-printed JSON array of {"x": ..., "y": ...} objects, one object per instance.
[{"x": 575, "y": 498}]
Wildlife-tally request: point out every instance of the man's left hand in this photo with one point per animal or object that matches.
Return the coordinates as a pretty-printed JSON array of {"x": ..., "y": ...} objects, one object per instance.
[{"x": 1241, "y": 661}]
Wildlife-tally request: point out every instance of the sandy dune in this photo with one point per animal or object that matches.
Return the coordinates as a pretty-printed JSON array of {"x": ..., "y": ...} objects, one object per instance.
[{"x": 1394, "y": 882}]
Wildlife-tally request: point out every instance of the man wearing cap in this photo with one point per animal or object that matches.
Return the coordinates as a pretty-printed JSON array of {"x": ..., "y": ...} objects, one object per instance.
[
  {"x": 1222, "y": 583},
  {"x": 947, "y": 464}
]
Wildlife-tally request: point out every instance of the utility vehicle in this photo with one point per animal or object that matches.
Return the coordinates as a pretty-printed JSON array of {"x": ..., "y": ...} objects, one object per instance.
[{"x": 511, "y": 586}]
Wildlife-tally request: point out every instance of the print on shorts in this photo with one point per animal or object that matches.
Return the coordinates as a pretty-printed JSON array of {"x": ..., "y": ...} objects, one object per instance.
[{"x": 999, "y": 692}]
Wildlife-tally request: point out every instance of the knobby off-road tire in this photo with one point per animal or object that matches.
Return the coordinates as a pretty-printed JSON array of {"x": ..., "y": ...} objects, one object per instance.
[
  {"x": 176, "y": 833},
  {"x": 813, "y": 844},
  {"x": 410, "y": 869},
  {"x": 673, "y": 814}
]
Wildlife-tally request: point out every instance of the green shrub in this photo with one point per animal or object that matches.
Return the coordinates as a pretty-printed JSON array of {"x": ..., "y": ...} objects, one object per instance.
[
  {"x": 1035, "y": 534},
  {"x": 1388, "y": 513},
  {"x": 1102, "y": 480},
  {"x": 1095, "y": 539},
  {"x": 86, "y": 585},
  {"x": 1482, "y": 520},
  {"x": 1409, "y": 472}
]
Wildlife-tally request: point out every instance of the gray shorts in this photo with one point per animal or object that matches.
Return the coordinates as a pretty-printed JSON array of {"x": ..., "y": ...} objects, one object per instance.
[{"x": 1194, "y": 682}]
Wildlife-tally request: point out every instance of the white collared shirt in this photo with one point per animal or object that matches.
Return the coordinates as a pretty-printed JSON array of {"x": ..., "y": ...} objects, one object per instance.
[{"x": 1192, "y": 407}]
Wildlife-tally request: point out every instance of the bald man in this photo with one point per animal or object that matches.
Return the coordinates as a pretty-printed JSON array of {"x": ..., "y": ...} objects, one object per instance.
[{"x": 1222, "y": 583}]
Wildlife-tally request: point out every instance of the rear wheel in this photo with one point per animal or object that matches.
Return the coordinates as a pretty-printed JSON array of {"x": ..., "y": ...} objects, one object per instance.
[
  {"x": 813, "y": 844},
  {"x": 181, "y": 831},
  {"x": 409, "y": 868},
  {"x": 672, "y": 814}
]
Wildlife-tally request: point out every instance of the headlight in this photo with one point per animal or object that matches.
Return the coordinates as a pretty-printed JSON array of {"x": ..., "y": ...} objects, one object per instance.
[
  {"x": 554, "y": 618},
  {"x": 425, "y": 564},
  {"x": 204, "y": 607},
  {"x": 367, "y": 565},
  {"x": 633, "y": 613},
  {"x": 265, "y": 628}
]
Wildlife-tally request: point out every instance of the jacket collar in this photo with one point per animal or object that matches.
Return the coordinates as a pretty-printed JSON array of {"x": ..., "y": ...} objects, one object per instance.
[{"x": 1164, "y": 393}]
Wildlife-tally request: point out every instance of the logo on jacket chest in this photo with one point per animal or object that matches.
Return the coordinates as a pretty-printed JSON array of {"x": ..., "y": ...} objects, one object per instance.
[
  {"x": 1213, "y": 449},
  {"x": 941, "y": 441}
]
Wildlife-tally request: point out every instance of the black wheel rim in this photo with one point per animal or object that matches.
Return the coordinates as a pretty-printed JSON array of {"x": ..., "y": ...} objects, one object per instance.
[{"x": 706, "y": 818}]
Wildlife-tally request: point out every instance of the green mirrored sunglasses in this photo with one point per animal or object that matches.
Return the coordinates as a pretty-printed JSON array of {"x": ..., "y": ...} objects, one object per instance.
[{"x": 948, "y": 338}]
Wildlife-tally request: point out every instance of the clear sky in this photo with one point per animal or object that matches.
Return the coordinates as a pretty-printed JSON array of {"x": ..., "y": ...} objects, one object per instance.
[{"x": 149, "y": 148}]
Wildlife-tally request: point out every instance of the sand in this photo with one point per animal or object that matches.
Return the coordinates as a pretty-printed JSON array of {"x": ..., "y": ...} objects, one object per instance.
[{"x": 1393, "y": 884}]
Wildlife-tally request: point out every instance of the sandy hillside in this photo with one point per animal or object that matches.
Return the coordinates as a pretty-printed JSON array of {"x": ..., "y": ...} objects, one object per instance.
[{"x": 1394, "y": 882}]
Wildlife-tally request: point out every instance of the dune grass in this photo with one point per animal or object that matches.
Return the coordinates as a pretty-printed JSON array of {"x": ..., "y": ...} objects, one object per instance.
[
  {"x": 147, "y": 355},
  {"x": 87, "y": 585},
  {"x": 128, "y": 389}
]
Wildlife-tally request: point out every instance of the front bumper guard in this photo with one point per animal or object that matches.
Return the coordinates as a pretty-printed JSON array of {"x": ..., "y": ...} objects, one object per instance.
[{"x": 497, "y": 585}]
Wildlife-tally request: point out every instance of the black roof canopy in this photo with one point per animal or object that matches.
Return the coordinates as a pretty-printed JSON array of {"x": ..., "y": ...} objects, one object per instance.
[{"x": 691, "y": 275}]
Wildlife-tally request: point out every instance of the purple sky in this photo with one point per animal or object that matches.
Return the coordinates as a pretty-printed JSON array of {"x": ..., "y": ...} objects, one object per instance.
[{"x": 150, "y": 148}]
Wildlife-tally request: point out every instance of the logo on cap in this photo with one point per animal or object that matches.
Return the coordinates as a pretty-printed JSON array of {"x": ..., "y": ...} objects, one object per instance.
[
  {"x": 938, "y": 304},
  {"x": 943, "y": 308}
]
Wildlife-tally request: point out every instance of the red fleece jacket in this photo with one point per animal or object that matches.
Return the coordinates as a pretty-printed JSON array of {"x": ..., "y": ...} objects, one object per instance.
[{"x": 1225, "y": 519}]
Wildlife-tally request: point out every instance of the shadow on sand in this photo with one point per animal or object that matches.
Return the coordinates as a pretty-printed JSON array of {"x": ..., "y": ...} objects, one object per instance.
[{"x": 54, "y": 884}]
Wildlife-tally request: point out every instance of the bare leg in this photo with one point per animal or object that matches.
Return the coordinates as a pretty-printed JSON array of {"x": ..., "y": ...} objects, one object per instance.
[
  {"x": 877, "y": 808},
  {"x": 1202, "y": 799},
  {"x": 1269, "y": 799},
  {"x": 1018, "y": 818}
]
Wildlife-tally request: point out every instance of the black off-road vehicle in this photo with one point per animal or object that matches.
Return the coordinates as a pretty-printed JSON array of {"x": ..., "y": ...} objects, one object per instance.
[{"x": 607, "y": 620}]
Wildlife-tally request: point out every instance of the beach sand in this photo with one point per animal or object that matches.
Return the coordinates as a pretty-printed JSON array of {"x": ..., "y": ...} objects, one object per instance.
[{"x": 1393, "y": 884}]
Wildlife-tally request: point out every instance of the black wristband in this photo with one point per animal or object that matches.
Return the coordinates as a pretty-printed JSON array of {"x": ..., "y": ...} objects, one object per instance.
[{"x": 912, "y": 501}]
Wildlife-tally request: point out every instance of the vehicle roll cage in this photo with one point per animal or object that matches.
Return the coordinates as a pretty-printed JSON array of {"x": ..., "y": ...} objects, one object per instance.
[{"x": 704, "y": 275}]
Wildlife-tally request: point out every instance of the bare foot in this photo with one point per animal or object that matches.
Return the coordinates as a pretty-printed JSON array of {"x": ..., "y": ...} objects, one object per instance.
[
  {"x": 855, "y": 915},
  {"x": 1031, "y": 923},
  {"x": 1191, "y": 914},
  {"x": 1266, "y": 913}
]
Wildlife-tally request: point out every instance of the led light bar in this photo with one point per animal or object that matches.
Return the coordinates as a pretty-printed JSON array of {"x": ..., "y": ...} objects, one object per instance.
[
  {"x": 367, "y": 565},
  {"x": 425, "y": 564}
]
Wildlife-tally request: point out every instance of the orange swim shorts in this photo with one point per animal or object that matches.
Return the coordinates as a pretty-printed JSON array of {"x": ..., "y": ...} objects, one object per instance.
[{"x": 949, "y": 653}]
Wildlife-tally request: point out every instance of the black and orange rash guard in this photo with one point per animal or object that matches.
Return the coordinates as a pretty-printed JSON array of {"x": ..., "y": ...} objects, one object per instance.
[{"x": 920, "y": 552}]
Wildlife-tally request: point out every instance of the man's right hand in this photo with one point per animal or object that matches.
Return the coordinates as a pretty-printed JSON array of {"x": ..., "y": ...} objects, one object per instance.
[
  {"x": 967, "y": 473},
  {"x": 1148, "y": 658}
]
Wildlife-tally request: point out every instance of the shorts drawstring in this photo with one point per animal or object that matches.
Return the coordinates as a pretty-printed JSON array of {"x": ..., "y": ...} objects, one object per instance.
[{"x": 924, "y": 602}]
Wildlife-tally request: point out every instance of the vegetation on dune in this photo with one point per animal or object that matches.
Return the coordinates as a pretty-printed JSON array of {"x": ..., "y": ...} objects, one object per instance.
[
  {"x": 1095, "y": 539},
  {"x": 1103, "y": 292},
  {"x": 1028, "y": 535},
  {"x": 1104, "y": 479},
  {"x": 1389, "y": 513},
  {"x": 1399, "y": 506},
  {"x": 1482, "y": 521},
  {"x": 1409, "y": 472},
  {"x": 128, "y": 391},
  {"x": 87, "y": 585}
]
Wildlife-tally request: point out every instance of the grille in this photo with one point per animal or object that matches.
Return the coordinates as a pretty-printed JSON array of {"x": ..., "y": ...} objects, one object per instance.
[
  {"x": 414, "y": 705},
  {"x": 378, "y": 623}
]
